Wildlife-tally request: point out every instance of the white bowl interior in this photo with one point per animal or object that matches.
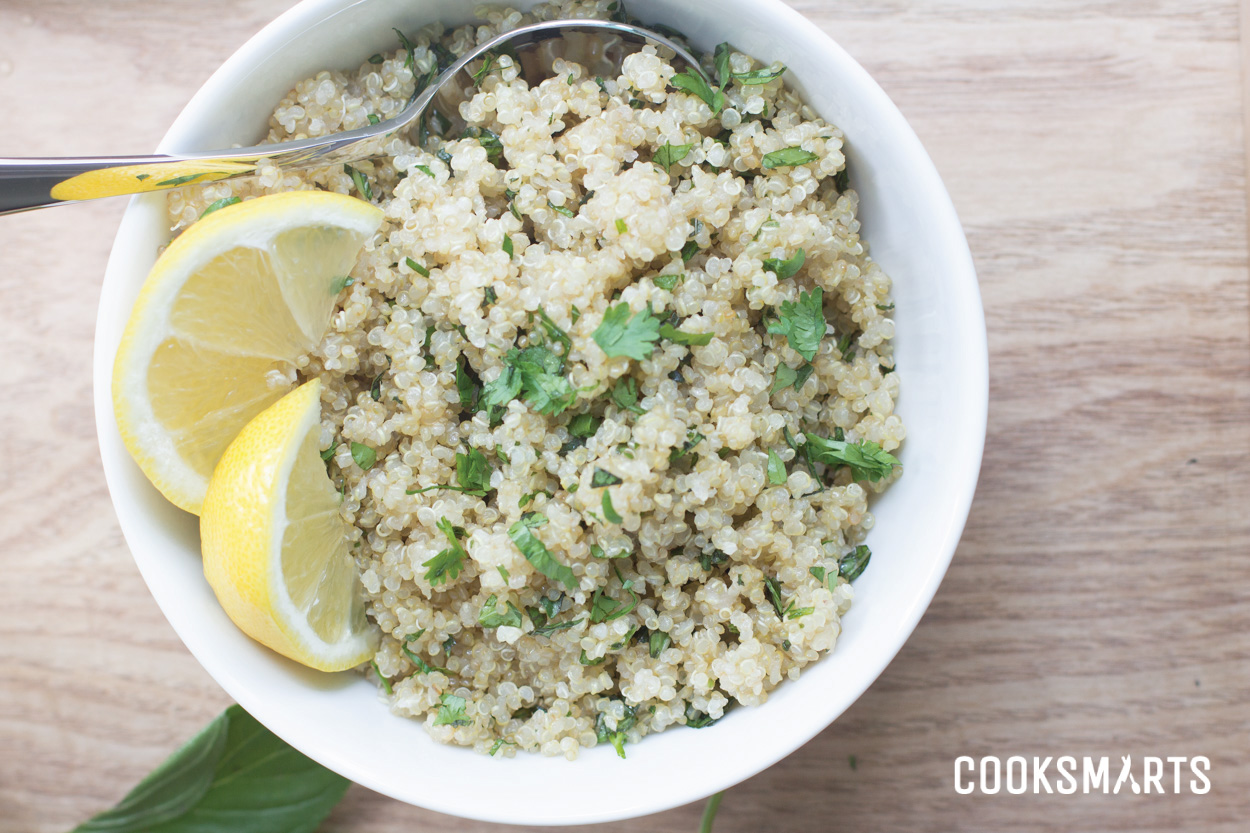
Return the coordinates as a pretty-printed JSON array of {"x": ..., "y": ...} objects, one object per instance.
[{"x": 912, "y": 229}]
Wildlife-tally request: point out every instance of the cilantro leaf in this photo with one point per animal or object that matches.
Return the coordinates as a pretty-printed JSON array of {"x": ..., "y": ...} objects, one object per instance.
[
  {"x": 789, "y": 377},
  {"x": 364, "y": 456},
  {"x": 788, "y": 158},
  {"x": 604, "y": 608},
  {"x": 677, "y": 336},
  {"x": 603, "y": 478},
  {"x": 658, "y": 643},
  {"x": 720, "y": 59},
  {"x": 693, "y": 82},
  {"x": 802, "y": 323},
  {"x": 776, "y": 469},
  {"x": 549, "y": 628},
  {"x": 535, "y": 373},
  {"x": 668, "y": 282},
  {"x": 536, "y": 552},
  {"x": 852, "y": 565},
  {"x": 608, "y": 511},
  {"x": 693, "y": 438},
  {"x": 473, "y": 472},
  {"x": 785, "y": 269},
  {"x": 621, "y": 335},
  {"x": 490, "y": 616},
  {"x": 584, "y": 426},
  {"x": 466, "y": 385},
  {"x": 449, "y": 562},
  {"x": 669, "y": 154},
  {"x": 866, "y": 459},
  {"x": 625, "y": 395},
  {"x": 451, "y": 711}
]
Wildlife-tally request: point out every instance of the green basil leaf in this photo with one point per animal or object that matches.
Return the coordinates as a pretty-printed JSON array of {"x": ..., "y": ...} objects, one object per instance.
[{"x": 234, "y": 775}]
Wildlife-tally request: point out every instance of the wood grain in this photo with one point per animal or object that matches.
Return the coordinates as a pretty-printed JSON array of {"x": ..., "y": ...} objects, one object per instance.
[{"x": 1098, "y": 604}]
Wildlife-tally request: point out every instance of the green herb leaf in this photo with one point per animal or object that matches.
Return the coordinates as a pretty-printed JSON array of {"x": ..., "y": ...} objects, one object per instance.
[
  {"x": 677, "y": 336},
  {"x": 234, "y": 775},
  {"x": 621, "y": 335},
  {"x": 490, "y": 616},
  {"x": 376, "y": 58},
  {"x": 846, "y": 347},
  {"x": 802, "y": 323},
  {"x": 789, "y": 377},
  {"x": 373, "y": 119},
  {"x": 364, "y": 456},
  {"x": 689, "y": 250},
  {"x": 584, "y": 426},
  {"x": 559, "y": 209},
  {"x": 785, "y": 269},
  {"x": 488, "y": 65},
  {"x": 473, "y": 472},
  {"x": 362, "y": 183},
  {"x": 853, "y": 564},
  {"x": 693, "y": 82},
  {"x": 554, "y": 332},
  {"x": 417, "y": 267},
  {"x": 720, "y": 59},
  {"x": 788, "y": 158},
  {"x": 451, "y": 711},
  {"x": 536, "y": 552},
  {"x": 669, "y": 154},
  {"x": 603, "y": 478},
  {"x": 696, "y": 719},
  {"x": 773, "y": 588},
  {"x": 608, "y": 511},
  {"x": 714, "y": 558},
  {"x": 693, "y": 438},
  {"x": 328, "y": 454},
  {"x": 217, "y": 205},
  {"x": 549, "y": 628},
  {"x": 621, "y": 228},
  {"x": 180, "y": 180},
  {"x": 446, "y": 566},
  {"x": 425, "y": 169},
  {"x": 659, "y": 643},
  {"x": 499, "y": 744},
  {"x": 585, "y": 660},
  {"x": 759, "y": 76},
  {"x": 466, "y": 385},
  {"x": 411, "y": 61},
  {"x": 668, "y": 282},
  {"x": 886, "y": 307},
  {"x": 625, "y": 395},
  {"x": 507, "y": 246},
  {"x": 534, "y": 373},
  {"x": 386, "y": 684},
  {"x": 866, "y": 459},
  {"x": 776, "y": 469},
  {"x": 340, "y": 283}
]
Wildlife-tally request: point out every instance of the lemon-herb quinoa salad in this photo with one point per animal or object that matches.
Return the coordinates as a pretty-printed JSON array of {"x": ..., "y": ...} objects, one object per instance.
[{"x": 605, "y": 396}]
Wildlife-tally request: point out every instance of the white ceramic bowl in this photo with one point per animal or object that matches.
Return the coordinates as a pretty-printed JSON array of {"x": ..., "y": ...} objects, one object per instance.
[{"x": 911, "y": 227}]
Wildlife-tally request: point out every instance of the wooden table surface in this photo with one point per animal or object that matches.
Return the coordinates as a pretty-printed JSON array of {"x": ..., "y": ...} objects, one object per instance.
[{"x": 1100, "y": 601}]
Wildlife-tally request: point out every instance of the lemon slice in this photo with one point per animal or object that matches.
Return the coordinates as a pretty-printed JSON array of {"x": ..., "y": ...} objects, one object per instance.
[
  {"x": 275, "y": 548},
  {"x": 241, "y": 293}
]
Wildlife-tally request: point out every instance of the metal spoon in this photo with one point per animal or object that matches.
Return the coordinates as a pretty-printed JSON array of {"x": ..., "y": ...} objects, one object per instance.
[{"x": 34, "y": 183}]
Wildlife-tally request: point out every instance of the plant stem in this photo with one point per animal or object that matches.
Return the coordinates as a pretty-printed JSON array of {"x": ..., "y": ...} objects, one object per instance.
[{"x": 709, "y": 812}]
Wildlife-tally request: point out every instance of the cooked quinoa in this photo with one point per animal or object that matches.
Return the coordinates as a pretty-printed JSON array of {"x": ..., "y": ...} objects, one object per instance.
[{"x": 688, "y": 538}]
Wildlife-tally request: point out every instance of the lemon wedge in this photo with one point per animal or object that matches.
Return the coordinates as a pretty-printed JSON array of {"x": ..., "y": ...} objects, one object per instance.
[
  {"x": 276, "y": 549},
  {"x": 228, "y": 306}
]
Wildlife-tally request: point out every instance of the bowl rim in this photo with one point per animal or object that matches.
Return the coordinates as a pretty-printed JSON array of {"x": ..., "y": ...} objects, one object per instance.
[{"x": 961, "y": 486}]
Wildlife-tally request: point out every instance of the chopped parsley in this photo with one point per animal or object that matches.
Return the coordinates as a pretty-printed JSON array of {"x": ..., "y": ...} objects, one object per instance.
[
  {"x": 487, "y": 139},
  {"x": 693, "y": 438},
  {"x": 790, "y": 611},
  {"x": 499, "y": 744},
  {"x": 608, "y": 511},
  {"x": 677, "y": 336},
  {"x": 554, "y": 332},
  {"x": 604, "y": 608},
  {"x": 802, "y": 322},
  {"x": 776, "y": 469},
  {"x": 472, "y": 476},
  {"x": 616, "y": 738},
  {"x": 789, "y": 377},
  {"x": 669, "y": 154},
  {"x": 559, "y": 209},
  {"x": 866, "y": 459},
  {"x": 361, "y": 181},
  {"x": 658, "y": 643},
  {"x": 625, "y": 395},
  {"x": 466, "y": 385},
  {"x": 548, "y": 628},
  {"x": 489, "y": 296},
  {"x": 596, "y": 551},
  {"x": 488, "y": 66},
  {"x": 853, "y": 564},
  {"x": 217, "y": 205},
  {"x": 584, "y": 426},
  {"x": 180, "y": 180},
  {"x": 846, "y": 348},
  {"x": 448, "y": 563},
  {"x": 585, "y": 660},
  {"x": 364, "y": 456},
  {"x": 507, "y": 246},
  {"x": 785, "y": 269},
  {"x": 376, "y": 58},
  {"x": 886, "y": 307},
  {"x": 386, "y": 684},
  {"x": 536, "y": 552},
  {"x": 340, "y": 283},
  {"x": 374, "y": 119},
  {"x": 490, "y": 616},
  {"x": 411, "y": 61},
  {"x": 696, "y": 719},
  {"x": 425, "y": 169},
  {"x": 788, "y": 158},
  {"x": 668, "y": 282},
  {"x": 714, "y": 558},
  {"x": 602, "y": 478},
  {"x": 693, "y": 82},
  {"x": 621, "y": 228},
  {"x": 720, "y": 60},
  {"x": 451, "y": 711},
  {"x": 375, "y": 387},
  {"x": 689, "y": 250},
  {"x": 622, "y": 335},
  {"x": 537, "y": 376},
  {"x": 328, "y": 454}
]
